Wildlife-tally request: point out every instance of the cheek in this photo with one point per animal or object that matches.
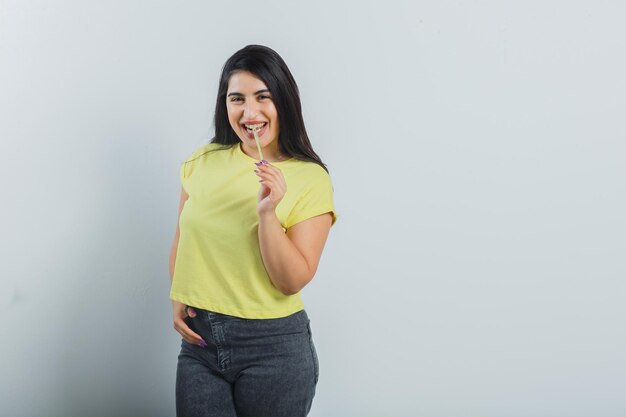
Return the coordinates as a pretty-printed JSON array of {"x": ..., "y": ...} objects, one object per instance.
[
  {"x": 232, "y": 116},
  {"x": 275, "y": 117}
]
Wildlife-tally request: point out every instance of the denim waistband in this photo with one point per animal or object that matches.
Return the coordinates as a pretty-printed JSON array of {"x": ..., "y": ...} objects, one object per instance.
[{"x": 299, "y": 316}]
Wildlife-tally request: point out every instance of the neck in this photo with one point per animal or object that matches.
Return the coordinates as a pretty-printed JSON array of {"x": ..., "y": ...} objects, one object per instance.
[{"x": 270, "y": 155}]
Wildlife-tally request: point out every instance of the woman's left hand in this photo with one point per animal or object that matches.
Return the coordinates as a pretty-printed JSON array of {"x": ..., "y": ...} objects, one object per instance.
[{"x": 273, "y": 187}]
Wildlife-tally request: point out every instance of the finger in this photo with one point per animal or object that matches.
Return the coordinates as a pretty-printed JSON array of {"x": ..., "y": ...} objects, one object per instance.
[
  {"x": 264, "y": 190},
  {"x": 268, "y": 168},
  {"x": 272, "y": 173},
  {"x": 188, "y": 335},
  {"x": 191, "y": 312},
  {"x": 263, "y": 175},
  {"x": 192, "y": 340},
  {"x": 186, "y": 330},
  {"x": 262, "y": 171},
  {"x": 275, "y": 187},
  {"x": 268, "y": 176},
  {"x": 275, "y": 184},
  {"x": 264, "y": 178},
  {"x": 268, "y": 183},
  {"x": 268, "y": 164}
]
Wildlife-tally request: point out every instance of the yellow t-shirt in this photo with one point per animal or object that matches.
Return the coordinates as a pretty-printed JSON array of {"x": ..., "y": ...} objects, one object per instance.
[{"x": 218, "y": 264}]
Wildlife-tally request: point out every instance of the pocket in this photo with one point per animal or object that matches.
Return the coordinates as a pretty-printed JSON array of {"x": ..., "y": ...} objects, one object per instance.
[
  {"x": 316, "y": 364},
  {"x": 189, "y": 321}
]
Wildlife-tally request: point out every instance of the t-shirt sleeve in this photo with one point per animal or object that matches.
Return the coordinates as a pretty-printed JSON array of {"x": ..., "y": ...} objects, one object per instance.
[
  {"x": 315, "y": 200},
  {"x": 187, "y": 166},
  {"x": 182, "y": 173},
  {"x": 185, "y": 171}
]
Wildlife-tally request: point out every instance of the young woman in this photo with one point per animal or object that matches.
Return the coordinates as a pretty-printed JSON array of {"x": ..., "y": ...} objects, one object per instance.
[{"x": 250, "y": 237}]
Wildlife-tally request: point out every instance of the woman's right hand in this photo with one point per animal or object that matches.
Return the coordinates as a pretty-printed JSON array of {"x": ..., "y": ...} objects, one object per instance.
[{"x": 180, "y": 311}]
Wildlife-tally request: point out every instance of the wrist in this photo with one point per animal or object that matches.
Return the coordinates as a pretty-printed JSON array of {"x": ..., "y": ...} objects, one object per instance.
[{"x": 267, "y": 215}]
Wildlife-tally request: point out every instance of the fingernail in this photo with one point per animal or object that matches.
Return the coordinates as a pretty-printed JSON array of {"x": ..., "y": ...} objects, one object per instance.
[
  {"x": 265, "y": 162},
  {"x": 203, "y": 343},
  {"x": 256, "y": 170},
  {"x": 258, "y": 164}
]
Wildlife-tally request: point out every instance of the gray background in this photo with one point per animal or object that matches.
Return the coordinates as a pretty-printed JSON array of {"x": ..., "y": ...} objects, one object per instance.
[{"x": 477, "y": 153}]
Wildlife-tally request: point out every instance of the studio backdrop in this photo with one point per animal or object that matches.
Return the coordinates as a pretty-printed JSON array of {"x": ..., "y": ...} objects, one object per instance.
[{"x": 477, "y": 155}]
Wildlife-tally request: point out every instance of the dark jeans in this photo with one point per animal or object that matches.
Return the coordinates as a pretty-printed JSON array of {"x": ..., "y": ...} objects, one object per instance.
[{"x": 250, "y": 368}]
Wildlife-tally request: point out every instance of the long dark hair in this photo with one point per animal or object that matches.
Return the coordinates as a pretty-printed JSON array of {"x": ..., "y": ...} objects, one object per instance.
[{"x": 270, "y": 68}]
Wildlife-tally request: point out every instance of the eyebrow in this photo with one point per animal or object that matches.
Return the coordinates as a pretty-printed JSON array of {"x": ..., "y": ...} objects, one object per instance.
[{"x": 255, "y": 93}]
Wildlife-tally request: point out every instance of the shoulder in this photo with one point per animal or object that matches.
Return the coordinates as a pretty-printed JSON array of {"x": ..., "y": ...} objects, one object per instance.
[
  {"x": 199, "y": 158},
  {"x": 310, "y": 169},
  {"x": 312, "y": 194},
  {"x": 205, "y": 150},
  {"x": 310, "y": 175}
]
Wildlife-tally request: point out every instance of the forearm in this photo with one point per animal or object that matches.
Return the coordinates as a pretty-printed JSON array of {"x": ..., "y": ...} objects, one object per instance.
[{"x": 285, "y": 265}]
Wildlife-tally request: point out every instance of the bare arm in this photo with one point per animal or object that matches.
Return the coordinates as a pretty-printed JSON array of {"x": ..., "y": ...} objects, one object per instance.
[{"x": 291, "y": 258}]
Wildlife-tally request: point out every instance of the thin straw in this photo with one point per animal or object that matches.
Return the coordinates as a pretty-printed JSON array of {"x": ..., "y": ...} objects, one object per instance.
[{"x": 258, "y": 144}]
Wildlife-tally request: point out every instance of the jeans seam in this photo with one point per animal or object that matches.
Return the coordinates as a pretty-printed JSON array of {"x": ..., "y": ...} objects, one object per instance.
[
  {"x": 223, "y": 360},
  {"x": 313, "y": 355}
]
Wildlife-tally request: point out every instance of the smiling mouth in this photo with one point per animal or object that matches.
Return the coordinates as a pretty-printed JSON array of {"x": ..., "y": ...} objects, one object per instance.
[
  {"x": 249, "y": 129},
  {"x": 255, "y": 127}
]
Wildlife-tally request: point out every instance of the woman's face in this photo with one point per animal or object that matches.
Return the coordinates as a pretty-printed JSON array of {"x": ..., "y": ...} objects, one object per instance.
[{"x": 249, "y": 102}]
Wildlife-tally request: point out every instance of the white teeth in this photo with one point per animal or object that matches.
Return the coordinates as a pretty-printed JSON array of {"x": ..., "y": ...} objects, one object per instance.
[{"x": 255, "y": 127}]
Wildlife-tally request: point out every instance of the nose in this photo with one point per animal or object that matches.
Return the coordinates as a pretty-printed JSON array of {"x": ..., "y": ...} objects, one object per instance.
[{"x": 250, "y": 110}]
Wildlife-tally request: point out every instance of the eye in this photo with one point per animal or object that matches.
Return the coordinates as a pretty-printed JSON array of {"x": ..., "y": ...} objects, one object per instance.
[
  {"x": 236, "y": 98},
  {"x": 263, "y": 97}
]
